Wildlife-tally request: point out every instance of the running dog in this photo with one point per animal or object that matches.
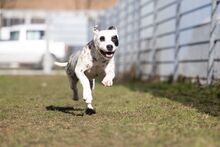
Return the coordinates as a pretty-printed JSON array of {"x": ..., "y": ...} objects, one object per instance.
[{"x": 95, "y": 59}]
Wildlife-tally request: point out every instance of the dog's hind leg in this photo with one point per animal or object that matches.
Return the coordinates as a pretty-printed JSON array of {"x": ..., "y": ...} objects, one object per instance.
[{"x": 73, "y": 85}]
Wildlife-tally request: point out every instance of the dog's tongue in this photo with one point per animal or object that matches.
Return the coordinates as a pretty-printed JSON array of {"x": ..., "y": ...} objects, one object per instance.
[{"x": 109, "y": 55}]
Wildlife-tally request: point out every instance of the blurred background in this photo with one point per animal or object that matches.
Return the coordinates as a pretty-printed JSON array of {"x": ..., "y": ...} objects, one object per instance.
[
  {"x": 35, "y": 33},
  {"x": 159, "y": 39}
]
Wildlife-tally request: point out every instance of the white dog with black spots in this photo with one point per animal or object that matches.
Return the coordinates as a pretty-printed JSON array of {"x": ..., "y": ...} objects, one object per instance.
[{"x": 95, "y": 59}]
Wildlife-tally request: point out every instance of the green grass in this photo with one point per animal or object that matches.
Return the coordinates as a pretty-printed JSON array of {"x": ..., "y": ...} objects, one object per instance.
[{"x": 38, "y": 111}]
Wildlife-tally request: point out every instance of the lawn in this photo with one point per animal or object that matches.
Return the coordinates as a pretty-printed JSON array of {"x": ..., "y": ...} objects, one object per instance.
[{"x": 38, "y": 111}]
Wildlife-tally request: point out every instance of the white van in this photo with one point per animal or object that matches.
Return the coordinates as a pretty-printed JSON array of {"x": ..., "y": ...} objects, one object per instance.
[{"x": 26, "y": 44}]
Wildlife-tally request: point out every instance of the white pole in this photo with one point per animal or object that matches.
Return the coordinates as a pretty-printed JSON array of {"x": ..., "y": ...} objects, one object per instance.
[{"x": 48, "y": 60}]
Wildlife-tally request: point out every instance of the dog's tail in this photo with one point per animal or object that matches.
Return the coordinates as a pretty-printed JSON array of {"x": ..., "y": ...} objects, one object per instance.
[{"x": 64, "y": 64}]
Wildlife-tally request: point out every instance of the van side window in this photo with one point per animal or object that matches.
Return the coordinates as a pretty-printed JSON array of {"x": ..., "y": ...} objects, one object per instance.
[
  {"x": 14, "y": 35},
  {"x": 35, "y": 35}
]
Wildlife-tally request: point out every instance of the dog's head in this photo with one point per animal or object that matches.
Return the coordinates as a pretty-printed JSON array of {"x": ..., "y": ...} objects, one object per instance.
[{"x": 106, "y": 41}]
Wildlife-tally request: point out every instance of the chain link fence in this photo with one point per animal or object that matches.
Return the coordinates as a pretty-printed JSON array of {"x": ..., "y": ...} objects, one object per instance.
[{"x": 168, "y": 38}]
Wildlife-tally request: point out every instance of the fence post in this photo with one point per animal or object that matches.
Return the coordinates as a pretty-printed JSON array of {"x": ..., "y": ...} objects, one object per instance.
[
  {"x": 138, "y": 22},
  {"x": 212, "y": 42},
  {"x": 118, "y": 56},
  {"x": 117, "y": 60},
  {"x": 177, "y": 43},
  {"x": 154, "y": 38},
  {"x": 125, "y": 45}
]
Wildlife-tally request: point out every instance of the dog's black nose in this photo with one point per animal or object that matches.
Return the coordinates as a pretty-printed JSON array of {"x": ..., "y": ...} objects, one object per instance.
[{"x": 109, "y": 47}]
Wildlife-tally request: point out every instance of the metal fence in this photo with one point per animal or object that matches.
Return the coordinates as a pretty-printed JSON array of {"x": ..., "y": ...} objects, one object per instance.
[{"x": 168, "y": 37}]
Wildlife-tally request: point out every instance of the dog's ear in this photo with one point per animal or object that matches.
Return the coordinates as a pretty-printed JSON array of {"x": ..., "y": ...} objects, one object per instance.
[
  {"x": 112, "y": 28},
  {"x": 95, "y": 29}
]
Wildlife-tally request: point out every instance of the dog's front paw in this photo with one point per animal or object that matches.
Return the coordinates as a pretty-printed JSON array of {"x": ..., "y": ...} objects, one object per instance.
[
  {"x": 107, "y": 83},
  {"x": 90, "y": 111}
]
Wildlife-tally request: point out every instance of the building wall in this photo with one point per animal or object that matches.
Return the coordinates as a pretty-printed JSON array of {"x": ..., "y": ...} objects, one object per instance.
[
  {"x": 57, "y": 4},
  {"x": 70, "y": 27}
]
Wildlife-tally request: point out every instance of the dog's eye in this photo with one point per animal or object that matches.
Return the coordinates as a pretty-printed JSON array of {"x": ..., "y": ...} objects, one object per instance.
[
  {"x": 102, "y": 38},
  {"x": 115, "y": 40}
]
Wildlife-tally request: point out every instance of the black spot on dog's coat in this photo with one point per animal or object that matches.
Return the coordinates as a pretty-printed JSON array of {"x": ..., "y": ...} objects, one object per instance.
[
  {"x": 115, "y": 40},
  {"x": 91, "y": 44},
  {"x": 102, "y": 38},
  {"x": 94, "y": 59},
  {"x": 112, "y": 28}
]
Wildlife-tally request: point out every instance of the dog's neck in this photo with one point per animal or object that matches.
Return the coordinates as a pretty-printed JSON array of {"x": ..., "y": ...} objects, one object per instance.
[{"x": 95, "y": 51}]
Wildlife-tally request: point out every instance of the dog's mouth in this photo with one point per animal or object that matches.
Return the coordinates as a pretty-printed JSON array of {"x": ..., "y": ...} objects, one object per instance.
[{"x": 107, "y": 54}]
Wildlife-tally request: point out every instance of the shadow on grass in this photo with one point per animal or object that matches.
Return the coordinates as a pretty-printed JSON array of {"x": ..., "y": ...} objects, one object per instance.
[
  {"x": 69, "y": 110},
  {"x": 204, "y": 99}
]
